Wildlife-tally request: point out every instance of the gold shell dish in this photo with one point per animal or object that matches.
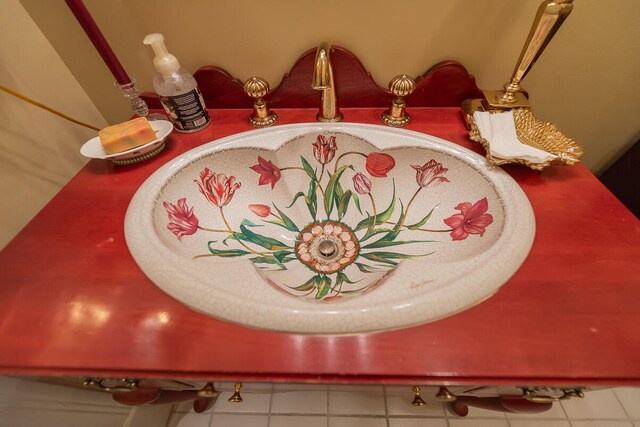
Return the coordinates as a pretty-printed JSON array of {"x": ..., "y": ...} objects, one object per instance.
[{"x": 531, "y": 131}]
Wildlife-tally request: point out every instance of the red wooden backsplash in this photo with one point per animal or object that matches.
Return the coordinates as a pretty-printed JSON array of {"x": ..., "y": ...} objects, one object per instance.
[{"x": 446, "y": 84}]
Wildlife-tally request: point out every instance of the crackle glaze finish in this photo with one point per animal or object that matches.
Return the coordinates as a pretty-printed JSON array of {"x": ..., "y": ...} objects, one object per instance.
[{"x": 329, "y": 228}]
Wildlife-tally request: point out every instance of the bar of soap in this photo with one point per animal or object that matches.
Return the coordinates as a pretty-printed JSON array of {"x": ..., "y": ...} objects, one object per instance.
[{"x": 127, "y": 135}]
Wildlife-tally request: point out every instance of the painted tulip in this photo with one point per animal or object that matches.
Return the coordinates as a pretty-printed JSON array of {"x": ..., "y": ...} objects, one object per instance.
[
  {"x": 472, "y": 219},
  {"x": 269, "y": 173},
  {"x": 182, "y": 221},
  {"x": 216, "y": 187},
  {"x": 361, "y": 183},
  {"x": 260, "y": 210},
  {"x": 430, "y": 174},
  {"x": 324, "y": 151},
  {"x": 379, "y": 164}
]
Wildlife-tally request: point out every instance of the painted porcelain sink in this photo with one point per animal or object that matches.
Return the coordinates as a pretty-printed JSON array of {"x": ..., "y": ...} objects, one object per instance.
[{"x": 329, "y": 228}]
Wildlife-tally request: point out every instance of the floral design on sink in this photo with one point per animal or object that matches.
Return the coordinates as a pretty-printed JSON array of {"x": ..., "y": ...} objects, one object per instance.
[
  {"x": 369, "y": 219},
  {"x": 330, "y": 248}
]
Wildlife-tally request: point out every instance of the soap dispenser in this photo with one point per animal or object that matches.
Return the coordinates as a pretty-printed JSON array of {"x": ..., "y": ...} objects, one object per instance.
[{"x": 177, "y": 89}]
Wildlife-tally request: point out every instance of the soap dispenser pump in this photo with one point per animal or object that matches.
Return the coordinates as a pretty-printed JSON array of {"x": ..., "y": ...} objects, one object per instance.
[{"x": 177, "y": 89}]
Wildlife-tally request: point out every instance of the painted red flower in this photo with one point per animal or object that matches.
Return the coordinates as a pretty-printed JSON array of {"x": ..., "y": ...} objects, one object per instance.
[
  {"x": 379, "y": 164},
  {"x": 182, "y": 221},
  {"x": 472, "y": 219},
  {"x": 269, "y": 173},
  {"x": 216, "y": 187},
  {"x": 324, "y": 151},
  {"x": 260, "y": 210},
  {"x": 361, "y": 183},
  {"x": 430, "y": 174}
]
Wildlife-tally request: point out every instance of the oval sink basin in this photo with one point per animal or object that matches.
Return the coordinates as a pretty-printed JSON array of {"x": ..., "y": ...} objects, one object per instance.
[{"x": 329, "y": 228}]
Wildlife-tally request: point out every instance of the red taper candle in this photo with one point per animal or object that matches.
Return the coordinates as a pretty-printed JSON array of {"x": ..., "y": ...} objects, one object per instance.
[{"x": 95, "y": 35}]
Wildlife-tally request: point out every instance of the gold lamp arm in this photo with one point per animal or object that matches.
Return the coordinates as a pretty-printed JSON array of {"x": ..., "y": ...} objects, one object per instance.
[{"x": 550, "y": 16}]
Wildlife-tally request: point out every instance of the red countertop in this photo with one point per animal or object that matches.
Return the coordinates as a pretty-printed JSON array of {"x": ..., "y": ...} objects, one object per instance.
[{"x": 74, "y": 302}]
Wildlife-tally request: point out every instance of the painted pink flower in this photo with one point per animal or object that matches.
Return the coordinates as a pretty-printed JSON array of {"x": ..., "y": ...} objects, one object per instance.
[
  {"x": 216, "y": 187},
  {"x": 324, "y": 151},
  {"x": 431, "y": 173},
  {"x": 269, "y": 173},
  {"x": 379, "y": 164},
  {"x": 361, "y": 183},
  {"x": 182, "y": 221},
  {"x": 260, "y": 210},
  {"x": 472, "y": 219}
]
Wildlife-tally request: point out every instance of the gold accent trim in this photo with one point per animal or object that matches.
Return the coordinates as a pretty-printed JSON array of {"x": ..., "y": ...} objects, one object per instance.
[
  {"x": 530, "y": 131},
  {"x": 417, "y": 400},
  {"x": 123, "y": 385},
  {"x": 444, "y": 395},
  {"x": 208, "y": 391},
  {"x": 236, "y": 397},
  {"x": 567, "y": 393},
  {"x": 141, "y": 157},
  {"x": 44, "y": 107}
]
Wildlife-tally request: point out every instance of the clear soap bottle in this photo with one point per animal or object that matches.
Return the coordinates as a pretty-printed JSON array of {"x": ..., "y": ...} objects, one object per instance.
[{"x": 177, "y": 89}]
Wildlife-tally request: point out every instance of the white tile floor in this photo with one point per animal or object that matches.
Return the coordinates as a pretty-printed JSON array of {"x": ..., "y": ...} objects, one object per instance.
[{"x": 373, "y": 406}]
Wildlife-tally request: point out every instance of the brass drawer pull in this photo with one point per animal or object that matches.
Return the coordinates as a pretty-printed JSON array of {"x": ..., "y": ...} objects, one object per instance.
[
  {"x": 122, "y": 384},
  {"x": 532, "y": 395}
]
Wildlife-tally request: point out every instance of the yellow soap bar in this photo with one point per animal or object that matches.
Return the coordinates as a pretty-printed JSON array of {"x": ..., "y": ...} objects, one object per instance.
[{"x": 127, "y": 135}]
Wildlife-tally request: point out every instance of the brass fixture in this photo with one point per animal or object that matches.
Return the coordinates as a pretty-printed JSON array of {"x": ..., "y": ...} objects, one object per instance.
[
  {"x": 323, "y": 80},
  {"x": 236, "y": 398},
  {"x": 567, "y": 393},
  {"x": 112, "y": 385},
  {"x": 445, "y": 395},
  {"x": 551, "y": 14},
  {"x": 417, "y": 400},
  {"x": 208, "y": 390},
  {"x": 397, "y": 115},
  {"x": 257, "y": 88}
]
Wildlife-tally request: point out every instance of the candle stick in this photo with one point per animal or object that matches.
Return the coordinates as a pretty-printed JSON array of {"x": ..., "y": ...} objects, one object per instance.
[{"x": 95, "y": 35}]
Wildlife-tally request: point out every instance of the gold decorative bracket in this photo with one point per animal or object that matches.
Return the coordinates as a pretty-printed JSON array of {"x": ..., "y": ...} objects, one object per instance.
[
  {"x": 236, "y": 397},
  {"x": 444, "y": 395},
  {"x": 208, "y": 391},
  {"x": 532, "y": 395},
  {"x": 417, "y": 399},
  {"x": 112, "y": 385}
]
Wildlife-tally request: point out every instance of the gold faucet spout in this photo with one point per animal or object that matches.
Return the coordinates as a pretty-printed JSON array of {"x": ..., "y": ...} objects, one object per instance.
[{"x": 323, "y": 80}]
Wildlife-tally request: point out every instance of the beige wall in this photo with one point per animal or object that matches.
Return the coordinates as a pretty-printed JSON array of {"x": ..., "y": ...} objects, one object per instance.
[
  {"x": 585, "y": 81},
  {"x": 39, "y": 152}
]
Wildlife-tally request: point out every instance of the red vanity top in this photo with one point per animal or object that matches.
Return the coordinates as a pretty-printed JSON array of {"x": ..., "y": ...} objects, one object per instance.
[{"x": 74, "y": 302}]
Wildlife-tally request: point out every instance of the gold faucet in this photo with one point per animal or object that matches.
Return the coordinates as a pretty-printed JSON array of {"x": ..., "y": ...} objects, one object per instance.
[{"x": 323, "y": 80}]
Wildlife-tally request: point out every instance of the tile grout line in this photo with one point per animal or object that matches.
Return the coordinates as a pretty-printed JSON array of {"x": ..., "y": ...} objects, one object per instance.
[
  {"x": 211, "y": 416},
  {"x": 270, "y": 406},
  {"x": 386, "y": 406},
  {"x": 564, "y": 411},
  {"x": 327, "y": 406},
  {"x": 621, "y": 405}
]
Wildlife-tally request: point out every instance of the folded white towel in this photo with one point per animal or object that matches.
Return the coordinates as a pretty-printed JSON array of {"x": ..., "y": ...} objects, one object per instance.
[{"x": 500, "y": 131}]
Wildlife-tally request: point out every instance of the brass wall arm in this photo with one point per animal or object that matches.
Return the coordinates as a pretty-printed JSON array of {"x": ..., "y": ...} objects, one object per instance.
[{"x": 550, "y": 16}]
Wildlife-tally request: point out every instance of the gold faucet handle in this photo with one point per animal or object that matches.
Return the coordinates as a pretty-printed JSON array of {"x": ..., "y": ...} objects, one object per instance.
[
  {"x": 402, "y": 85},
  {"x": 397, "y": 116},
  {"x": 257, "y": 88}
]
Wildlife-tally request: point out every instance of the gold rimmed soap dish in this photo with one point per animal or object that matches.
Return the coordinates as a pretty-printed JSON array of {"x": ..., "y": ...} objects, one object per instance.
[{"x": 544, "y": 136}]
